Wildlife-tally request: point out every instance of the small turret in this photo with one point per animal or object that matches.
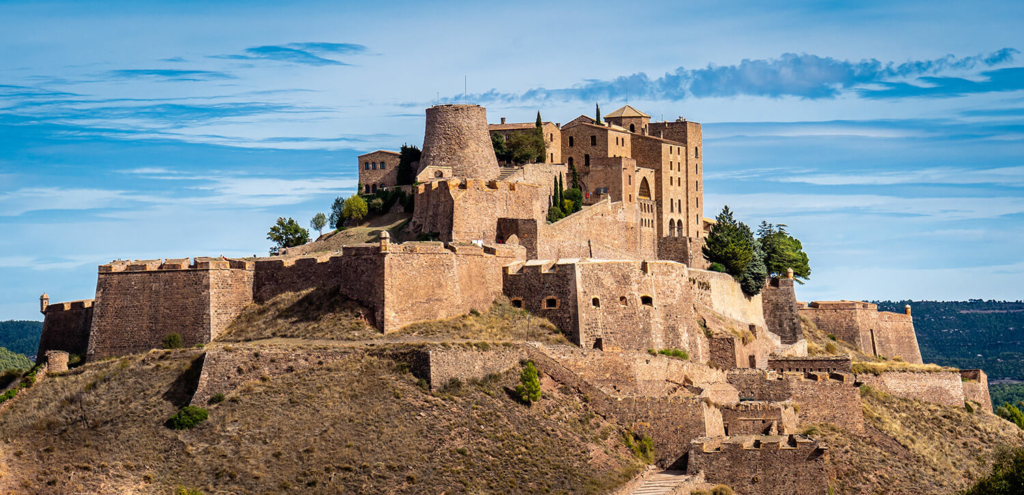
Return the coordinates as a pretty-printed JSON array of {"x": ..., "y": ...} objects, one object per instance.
[
  {"x": 385, "y": 241},
  {"x": 789, "y": 274},
  {"x": 44, "y": 301},
  {"x": 906, "y": 309}
]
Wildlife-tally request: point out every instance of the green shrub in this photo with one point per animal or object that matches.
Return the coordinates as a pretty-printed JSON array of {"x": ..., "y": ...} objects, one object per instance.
[
  {"x": 217, "y": 398},
  {"x": 717, "y": 267},
  {"x": 188, "y": 491},
  {"x": 528, "y": 389},
  {"x": 642, "y": 446},
  {"x": 1007, "y": 475},
  {"x": 375, "y": 207},
  {"x": 721, "y": 490},
  {"x": 1010, "y": 413},
  {"x": 833, "y": 337},
  {"x": 187, "y": 417},
  {"x": 968, "y": 407},
  {"x": 676, "y": 353},
  {"x": 831, "y": 348},
  {"x": 173, "y": 341}
]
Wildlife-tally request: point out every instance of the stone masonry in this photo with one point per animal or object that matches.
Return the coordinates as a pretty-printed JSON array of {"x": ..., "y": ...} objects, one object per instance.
[{"x": 457, "y": 136}]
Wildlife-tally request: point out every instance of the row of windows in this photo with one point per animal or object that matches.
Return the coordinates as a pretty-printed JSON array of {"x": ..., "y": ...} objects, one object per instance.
[
  {"x": 372, "y": 188},
  {"x": 671, "y": 167},
  {"x": 374, "y": 165},
  {"x": 553, "y": 303}
]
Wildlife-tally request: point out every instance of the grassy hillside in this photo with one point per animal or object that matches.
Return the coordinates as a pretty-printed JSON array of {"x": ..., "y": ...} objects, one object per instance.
[
  {"x": 915, "y": 447},
  {"x": 21, "y": 336},
  {"x": 13, "y": 361},
  {"x": 359, "y": 425}
]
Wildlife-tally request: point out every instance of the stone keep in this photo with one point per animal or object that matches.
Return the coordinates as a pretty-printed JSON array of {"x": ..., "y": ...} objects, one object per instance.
[{"x": 456, "y": 136}]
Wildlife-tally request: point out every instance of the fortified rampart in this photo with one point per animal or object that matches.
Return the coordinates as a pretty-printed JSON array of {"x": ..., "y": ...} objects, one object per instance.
[
  {"x": 401, "y": 283},
  {"x": 468, "y": 210},
  {"x": 754, "y": 465},
  {"x": 821, "y": 397},
  {"x": 975, "y": 383},
  {"x": 457, "y": 136},
  {"x": 606, "y": 230},
  {"x": 804, "y": 364},
  {"x": 781, "y": 309},
  {"x": 611, "y": 304},
  {"x": 671, "y": 421},
  {"x": 944, "y": 387},
  {"x": 876, "y": 333},
  {"x": 759, "y": 418},
  {"x": 138, "y": 304},
  {"x": 66, "y": 328},
  {"x": 721, "y": 293}
]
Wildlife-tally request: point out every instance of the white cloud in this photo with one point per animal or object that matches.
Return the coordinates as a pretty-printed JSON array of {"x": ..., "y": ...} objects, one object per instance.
[{"x": 956, "y": 208}]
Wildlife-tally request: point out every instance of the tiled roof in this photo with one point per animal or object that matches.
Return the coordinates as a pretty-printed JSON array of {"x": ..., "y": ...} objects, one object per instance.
[{"x": 627, "y": 111}]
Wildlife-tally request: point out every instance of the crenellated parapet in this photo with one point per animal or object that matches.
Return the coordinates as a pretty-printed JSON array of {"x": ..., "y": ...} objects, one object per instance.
[
  {"x": 176, "y": 264},
  {"x": 859, "y": 323},
  {"x": 762, "y": 463}
]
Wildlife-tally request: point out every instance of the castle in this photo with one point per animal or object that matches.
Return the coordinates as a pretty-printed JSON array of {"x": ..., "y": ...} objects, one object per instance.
[{"x": 622, "y": 277}]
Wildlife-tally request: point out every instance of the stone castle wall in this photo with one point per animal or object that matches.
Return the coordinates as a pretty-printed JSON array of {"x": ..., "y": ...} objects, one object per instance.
[
  {"x": 464, "y": 364},
  {"x": 721, "y": 293},
  {"x": 66, "y": 328},
  {"x": 468, "y": 210},
  {"x": 875, "y": 333},
  {"x": 944, "y": 388},
  {"x": 606, "y": 230},
  {"x": 759, "y": 418},
  {"x": 804, "y": 364},
  {"x": 611, "y": 304},
  {"x": 781, "y": 310},
  {"x": 790, "y": 464},
  {"x": 138, "y": 304},
  {"x": 975, "y": 383},
  {"x": 821, "y": 397},
  {"x": 685, "y": 250},
  {"x": 457, "y": 136}
]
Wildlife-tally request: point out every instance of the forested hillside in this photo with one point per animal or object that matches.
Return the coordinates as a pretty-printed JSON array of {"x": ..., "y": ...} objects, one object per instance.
[
  {"x": 972, "y": 334},
  {"x": 21, "y": 336}
]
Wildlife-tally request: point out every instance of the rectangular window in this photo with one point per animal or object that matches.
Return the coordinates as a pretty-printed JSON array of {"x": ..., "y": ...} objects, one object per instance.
[
  {"x": 593, "y": 140},
  {"x": 382, "y": 165}
]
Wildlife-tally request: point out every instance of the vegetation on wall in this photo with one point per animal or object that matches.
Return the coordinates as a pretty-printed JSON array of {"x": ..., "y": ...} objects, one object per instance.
[
  {"x": 286, "y": 234},
  {"x": 522, "y": 146},
  {"x": 731, "y": 243},
  {"x": 564, "y": 202},
  {"x": 407, "y": 156},
  {"x": 782, "y": 252}
]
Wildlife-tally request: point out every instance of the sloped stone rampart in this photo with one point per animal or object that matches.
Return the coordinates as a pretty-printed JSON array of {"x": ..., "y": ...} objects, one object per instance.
[
  {"x": 944, "y": 388},
  {"x": 721, "y": 293},
  {"x": 803, "y": 364},
  {"x": 975, "y": 383},
  {"x": 445, "y": 364},
  {"x": 820, "y": 397},
  {"x": 758, "y": 465},
  {"x": 66, "y": 328},
  {"x": 875, "y": 333},
  {"x": 759, "y": 418},
  {"x": 224, "y": 371}
]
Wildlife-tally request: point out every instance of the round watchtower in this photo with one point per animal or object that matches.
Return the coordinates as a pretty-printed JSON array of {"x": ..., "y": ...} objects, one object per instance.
[{"x": 456, "y": 136}]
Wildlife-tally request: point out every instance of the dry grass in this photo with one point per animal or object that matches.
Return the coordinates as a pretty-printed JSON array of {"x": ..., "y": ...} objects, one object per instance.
[
  {"x": 325, "y": 314},
  {"x": 502, "y": 322},
  {"x": 316, "y": 314},
  {"x": 878, "y": 367},
  {"x": 368, "y": 231},
  {"x": 358, "y": 425},
  {"x": 915, "y": 447}
]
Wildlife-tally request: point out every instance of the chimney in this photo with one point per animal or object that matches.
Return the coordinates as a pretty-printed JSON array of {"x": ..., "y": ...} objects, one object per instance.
[
  {"x": 503, "y": 120},
  {"x": 44, "y": 301}
]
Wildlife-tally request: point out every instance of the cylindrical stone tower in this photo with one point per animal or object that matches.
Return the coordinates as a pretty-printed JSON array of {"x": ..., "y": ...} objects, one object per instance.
[{"x": 457, "y": 137}]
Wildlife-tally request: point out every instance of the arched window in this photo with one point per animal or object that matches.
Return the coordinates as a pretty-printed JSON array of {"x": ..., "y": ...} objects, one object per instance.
[
  {"x": 645, "y": 189},
  {"x": 366, "y": 166},
  {"x": 373, "y": 188},
  {"x": 382, "y": 165},
  {"x": 671, "y": 227},
  {"x": 596, "y": 302},
  {"x": 373, "y": 166},
  {"x": 671, "y": 206},
  {"x": 367, "y": 189},
  {"x": 623, "y": 302},
  {"x": 439, "y": 174},
  {"x": 632, "y": 128}
]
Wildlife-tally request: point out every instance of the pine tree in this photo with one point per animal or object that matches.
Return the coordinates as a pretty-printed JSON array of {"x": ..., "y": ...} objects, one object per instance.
[
  {"x": 598, "y": 119},
  {"x": 528, "y": 389},
  {"x": 540, "y": 123},
  {"x": 560, "y": 189}
]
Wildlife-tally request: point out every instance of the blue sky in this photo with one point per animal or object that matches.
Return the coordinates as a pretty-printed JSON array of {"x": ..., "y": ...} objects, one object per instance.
[{"x": 889, "y": 136}]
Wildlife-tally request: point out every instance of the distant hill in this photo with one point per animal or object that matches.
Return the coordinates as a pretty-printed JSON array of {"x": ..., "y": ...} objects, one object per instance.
[
  {"x": 972, "y": 334},
  {"x": 13, "y": 361},
  {"x": 21, "y": 336}
]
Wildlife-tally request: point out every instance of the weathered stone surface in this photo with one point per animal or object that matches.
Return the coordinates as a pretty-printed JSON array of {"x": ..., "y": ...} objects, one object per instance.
[
  {"x": 875, "y": 333},
  {"x": 751, "y": 465},
  {"x": 457, "y": 136}
]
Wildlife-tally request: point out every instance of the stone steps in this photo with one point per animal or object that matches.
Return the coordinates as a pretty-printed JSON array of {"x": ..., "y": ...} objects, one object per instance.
[
  {"x": 506, "y": 172},
  {"x": 661, "y": 483}
]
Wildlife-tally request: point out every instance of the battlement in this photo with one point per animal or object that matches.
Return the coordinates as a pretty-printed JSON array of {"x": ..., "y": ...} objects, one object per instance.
[
  {"x": 708, "y": 445},
  {"x": 470, "y": 184},
  {"x": 842, "y": 305},
  {"x": 175, "y": 264},
  {"x": 874, "y": 333},
  {"x": 840, "y": 364},
  {"x": 70, "y": 306}
]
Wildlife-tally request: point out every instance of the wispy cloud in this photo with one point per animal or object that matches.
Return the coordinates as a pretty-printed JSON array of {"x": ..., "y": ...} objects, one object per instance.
[
  {"x": 169, "y": 74},
  {"x": 308, "y": 53},
  {"x": 1004, "y": 176},
  {"x": 994, "y": 81},
  {"x": 772, "y": 205},
  {"x": 796, "y": 75}
]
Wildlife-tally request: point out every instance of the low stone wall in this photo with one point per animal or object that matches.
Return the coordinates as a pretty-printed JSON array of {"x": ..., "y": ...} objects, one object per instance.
[
  {"x": 759, "y": 465},
  {"x": 759, "y": 418},
  {"x": 827, "y": 364},
  {"x": 975, "y": 383},
  {"x": 944, "y": 388},
  {"x": 464, "y": 364},
  {"x": 225, "y": 370}
]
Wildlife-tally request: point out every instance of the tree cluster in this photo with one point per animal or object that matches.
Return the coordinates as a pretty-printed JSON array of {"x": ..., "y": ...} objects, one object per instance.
[
  {"x": 731, "y": 247},
  {"x": 286, "y": 234},
  {"x": 522, "y": 146},
  {"x": 408, "y": 155},
  {"x": 564, "y": 202}
]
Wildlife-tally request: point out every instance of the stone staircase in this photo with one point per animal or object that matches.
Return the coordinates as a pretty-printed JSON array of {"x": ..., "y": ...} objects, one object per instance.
[
  {"x": 506, "y": 172},
  {"x": 668, "y": 482}
]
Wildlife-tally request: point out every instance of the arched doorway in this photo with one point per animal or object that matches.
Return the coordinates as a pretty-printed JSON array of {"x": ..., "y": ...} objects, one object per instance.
[{"x": 645, "y": 190}]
